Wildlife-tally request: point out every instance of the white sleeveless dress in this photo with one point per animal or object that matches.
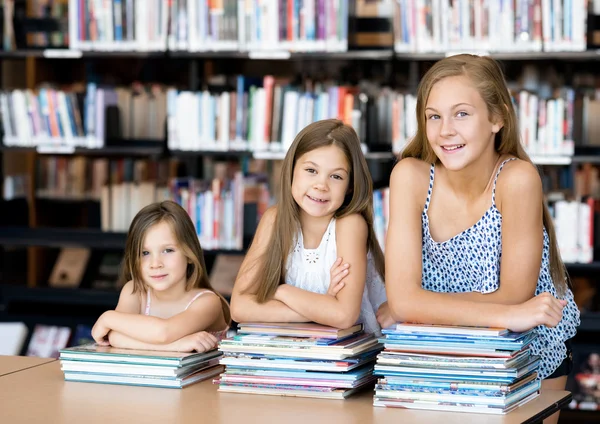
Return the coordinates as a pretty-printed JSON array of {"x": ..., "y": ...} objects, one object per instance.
[{"x": 309, "y": 269}]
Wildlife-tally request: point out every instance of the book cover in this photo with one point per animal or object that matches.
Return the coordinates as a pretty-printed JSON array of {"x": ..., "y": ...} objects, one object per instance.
[
  {"x": 93, "y": 352},
  {"x": 450, "y": 329}
]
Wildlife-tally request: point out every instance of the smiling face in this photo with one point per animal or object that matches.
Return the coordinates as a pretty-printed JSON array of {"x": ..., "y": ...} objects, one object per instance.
[
  {"x": 458, "y": 123},
  {"x": 162, "y": 263},
  {"x": 320, "y": 181}
]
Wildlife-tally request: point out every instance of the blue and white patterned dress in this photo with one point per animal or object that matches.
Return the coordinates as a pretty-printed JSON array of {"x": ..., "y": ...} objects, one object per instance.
[{"x": 470, "y": 262}]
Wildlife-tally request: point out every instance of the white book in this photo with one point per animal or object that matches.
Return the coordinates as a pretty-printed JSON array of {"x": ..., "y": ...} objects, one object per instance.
[{"x": 12, "y": 337}]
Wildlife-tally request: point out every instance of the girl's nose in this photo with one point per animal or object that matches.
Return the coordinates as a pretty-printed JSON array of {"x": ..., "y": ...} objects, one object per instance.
[
  {"x": 155, "y": 262},
  {"x": 447, "y": 128}
]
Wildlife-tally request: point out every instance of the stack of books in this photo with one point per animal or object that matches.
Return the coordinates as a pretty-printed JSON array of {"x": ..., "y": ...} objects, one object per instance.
[
  {"x": 466, "y": 369},
  {"x": 110, "y": 365},
  {"x": 300, "y": 359}
]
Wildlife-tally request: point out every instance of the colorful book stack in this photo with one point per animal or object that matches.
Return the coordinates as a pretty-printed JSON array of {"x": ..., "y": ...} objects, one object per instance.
[
  {"x": 466, "y": 369},
  {"x": 105, "y": 364},
  {"x": 303, "y": 360}
]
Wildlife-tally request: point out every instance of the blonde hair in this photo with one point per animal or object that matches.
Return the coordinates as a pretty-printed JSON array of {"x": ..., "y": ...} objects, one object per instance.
[
  {"x": 359, "y": 200},
  {"x": 185, "y": 234},
  {"x": 488, "y": 79}
]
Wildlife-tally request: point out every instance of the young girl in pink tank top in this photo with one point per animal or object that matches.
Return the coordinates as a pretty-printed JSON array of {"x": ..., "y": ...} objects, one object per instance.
[{"x": 167, "y": 302}]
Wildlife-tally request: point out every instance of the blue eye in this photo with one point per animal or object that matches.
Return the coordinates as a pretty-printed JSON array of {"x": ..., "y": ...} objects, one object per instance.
[
  {"x": 145, "y": 253},
  {"x": 462, "y": 114},
  {"x": 433, "y": 117}
]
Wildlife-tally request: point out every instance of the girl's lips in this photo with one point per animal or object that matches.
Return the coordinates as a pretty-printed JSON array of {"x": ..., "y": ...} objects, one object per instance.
[
  {"x": 452, "y": 148},
  {"x": 314, "y": 199}
]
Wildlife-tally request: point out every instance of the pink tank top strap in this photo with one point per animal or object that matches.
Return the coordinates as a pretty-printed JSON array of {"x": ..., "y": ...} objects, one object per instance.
[
  {"x": 197, "y": 296},
  {"x": 147, "y": 310}
]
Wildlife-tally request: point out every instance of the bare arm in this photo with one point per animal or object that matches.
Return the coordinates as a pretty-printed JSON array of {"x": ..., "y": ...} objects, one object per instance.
[
  {"x": 199, "y": 342},
  {"x": 199, "y": 316},
  {"x": 341, "y": 311},
  {"x": 244, "y": 306},
  {"x": 407, "y": 300},
  {"x": 127, "y": 320},
  {"x": 519, "y": 199},
  {"x": 121, "y": 340}
]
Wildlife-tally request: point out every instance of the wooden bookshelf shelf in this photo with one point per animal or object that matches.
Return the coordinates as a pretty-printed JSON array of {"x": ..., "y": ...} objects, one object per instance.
[
  {"x": 590, "y": 321},
  {"x": 64, "y": 237},
  {"x": 583, "y": 267},
  {"x": 286, "y": 55},
  {"x": 145, "y": 151},
  {"x": 75, "y": 296},
  {"x": 61, "y": 237}
]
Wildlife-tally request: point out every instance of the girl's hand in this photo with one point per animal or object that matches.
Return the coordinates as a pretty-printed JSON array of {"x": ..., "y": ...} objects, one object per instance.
[
  {"x": 199, "y": 342},
  {"x": 338, "y": 272},
  {"x": 100, "y": 331},
  {"x": 384, "y": 316},
  {"x": 543, "y": 309}
]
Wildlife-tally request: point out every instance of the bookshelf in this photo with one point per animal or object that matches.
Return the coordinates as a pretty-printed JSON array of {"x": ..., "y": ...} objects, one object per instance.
[{"x": 386, "y": 65}]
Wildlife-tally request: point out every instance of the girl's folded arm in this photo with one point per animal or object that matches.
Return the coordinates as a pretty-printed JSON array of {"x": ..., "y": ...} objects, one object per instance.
[
  {"x": 519, "y": 199},
  {"x": 343, "y": 310},
  {"x": 198, "y": 317},
  {"x": 244, "y": 304},
  {"x": 124, "y": 341},
  {"x": 407, "y": 300}
]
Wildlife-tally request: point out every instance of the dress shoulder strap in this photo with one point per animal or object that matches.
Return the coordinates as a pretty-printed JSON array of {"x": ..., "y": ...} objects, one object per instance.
[
  {"x": 496, "y": 178},
  {"x": 430, "y": 189}
]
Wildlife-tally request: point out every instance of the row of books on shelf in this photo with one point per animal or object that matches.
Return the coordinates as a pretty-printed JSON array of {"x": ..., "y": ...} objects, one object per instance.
[
  {"x": 82, "y": 117},
  {"x": 321, "y": 25},
  {"x": 263, "y": 115},
  {"x": 216, "y": 205},
  {"x": 500, "y": 26},
  {"x": 192, "y": 25},
  {"x": 45, "y": 342}
]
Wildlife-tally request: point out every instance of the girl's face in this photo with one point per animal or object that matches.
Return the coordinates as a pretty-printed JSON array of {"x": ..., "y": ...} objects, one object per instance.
[
  {"x": 458, "y": 123},
  {"x": 320, "y": 181},
  {"x": 163, "y": 264}
]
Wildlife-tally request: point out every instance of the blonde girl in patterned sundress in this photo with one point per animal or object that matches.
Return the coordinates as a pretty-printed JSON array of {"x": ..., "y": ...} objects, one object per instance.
[
  {"x": 470, "y": 240},
  {"x": 167, "y": 302},
  {"x": 315, "y": 256}
]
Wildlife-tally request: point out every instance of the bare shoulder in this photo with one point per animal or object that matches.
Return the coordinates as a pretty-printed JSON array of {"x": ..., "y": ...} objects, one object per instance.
[
  {"x": 129, "y": 301},
  {"x": 270, "y": 215},
  {"x": 410, "y": 178},
  {"x": 411, "y": 170},
  {"x": 127, "y": 289},
  {"x": 354, "y": 223},
  {"x": 518, "y": 178},
  {"x": 265, "y": 226}
]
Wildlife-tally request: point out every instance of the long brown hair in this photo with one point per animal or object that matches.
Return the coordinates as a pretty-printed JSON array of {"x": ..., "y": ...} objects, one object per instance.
[
  {"x": 359, "y": 199},
  {"x": 185, "y": 234},
  {"x": 487, "y": 77}
]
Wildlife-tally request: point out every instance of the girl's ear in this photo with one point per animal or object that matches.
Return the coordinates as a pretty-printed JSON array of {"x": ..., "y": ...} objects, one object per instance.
[{"x": 498, "y": 123}]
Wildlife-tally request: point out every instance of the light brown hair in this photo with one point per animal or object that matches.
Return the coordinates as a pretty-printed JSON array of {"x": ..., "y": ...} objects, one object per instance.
[
  {"x": 187, "y": 239},
  {"x": 488, "y": 79},
  {"x": 359, "y": 200}
]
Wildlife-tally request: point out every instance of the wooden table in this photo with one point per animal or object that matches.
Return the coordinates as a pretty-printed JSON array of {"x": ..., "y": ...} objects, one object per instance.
[
  {"x": 10, "y": 364},
  {"x": 40, "y": 394}
]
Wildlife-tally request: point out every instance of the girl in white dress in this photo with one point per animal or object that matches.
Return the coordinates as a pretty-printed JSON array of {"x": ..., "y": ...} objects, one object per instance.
[{"x": 315, "y": 256}]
